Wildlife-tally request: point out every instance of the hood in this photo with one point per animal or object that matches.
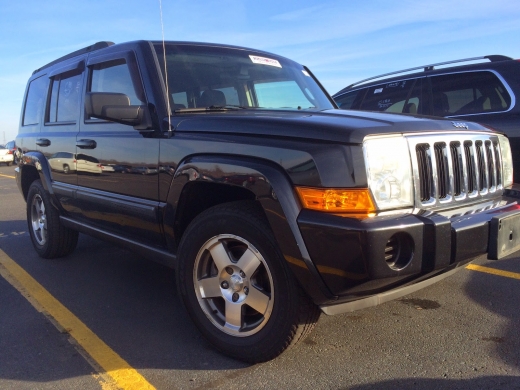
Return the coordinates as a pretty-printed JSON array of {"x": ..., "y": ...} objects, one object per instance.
[{"x": 343, "y": 126}]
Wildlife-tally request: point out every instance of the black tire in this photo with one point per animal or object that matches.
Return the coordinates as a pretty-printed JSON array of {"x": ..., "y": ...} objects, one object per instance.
[
  {"x": 66, "y": 169},
  {"x": 220, "y": 299},
  {"x": 49, "y": 237}
]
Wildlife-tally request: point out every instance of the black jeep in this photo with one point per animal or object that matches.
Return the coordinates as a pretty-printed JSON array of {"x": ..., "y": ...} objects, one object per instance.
[{"x": 235, "y": 167}]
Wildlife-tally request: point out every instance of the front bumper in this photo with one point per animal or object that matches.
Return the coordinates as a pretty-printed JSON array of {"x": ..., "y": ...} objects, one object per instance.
[{"x": 384, "y": 256}]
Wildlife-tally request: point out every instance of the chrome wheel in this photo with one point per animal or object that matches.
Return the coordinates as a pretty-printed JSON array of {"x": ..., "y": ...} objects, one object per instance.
[
  {"x": 233, "y": 285},
  {"x": 39, "y": 220}
]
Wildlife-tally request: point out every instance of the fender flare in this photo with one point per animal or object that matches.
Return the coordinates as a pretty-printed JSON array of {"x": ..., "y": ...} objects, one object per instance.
[
  {"x": 274, "y": 191},
  {"x": 40, "y": 163}
]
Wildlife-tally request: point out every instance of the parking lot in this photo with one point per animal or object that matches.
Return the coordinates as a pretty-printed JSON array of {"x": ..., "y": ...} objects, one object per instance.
[{"x": 62, "y": 322}]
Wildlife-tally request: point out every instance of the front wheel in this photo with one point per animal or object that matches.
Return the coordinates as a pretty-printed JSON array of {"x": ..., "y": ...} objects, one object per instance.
[
  {"x": 236, "y": 286},
  {"x": 49, "y": 237}
]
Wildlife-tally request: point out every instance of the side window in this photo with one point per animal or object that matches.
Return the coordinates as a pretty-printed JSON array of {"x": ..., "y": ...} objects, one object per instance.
[
  {"x": 468, "y": 93},
  {"x": 34, "y": 103},
  {"x": 350, "y": 100},
  {"x": 116, "y": 76},
  {"x": 390, "y": 97},
  {"x": 65, "y": 97}
]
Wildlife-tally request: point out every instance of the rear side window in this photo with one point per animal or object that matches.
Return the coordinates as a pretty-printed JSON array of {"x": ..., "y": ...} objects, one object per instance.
[
  {"x": 65, "y": 97},
  {"x": 398, "y": 96},
  {"x": 468, "y": 93},
  {"x": 34, "y": 103}
]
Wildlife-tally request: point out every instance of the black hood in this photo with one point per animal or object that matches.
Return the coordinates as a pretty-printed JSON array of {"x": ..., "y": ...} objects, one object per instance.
[{"x": 344, "y": 126}]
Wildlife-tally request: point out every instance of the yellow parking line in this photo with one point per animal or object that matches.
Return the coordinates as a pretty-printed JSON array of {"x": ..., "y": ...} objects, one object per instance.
[
  {"x": 117, "y": 368},
  {"x": 12, "y": 177},
  {"x": 494, "y": 271}
]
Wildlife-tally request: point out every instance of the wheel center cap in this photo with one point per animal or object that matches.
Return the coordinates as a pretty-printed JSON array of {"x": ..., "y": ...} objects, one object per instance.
[{"x": 236, "y": 283}]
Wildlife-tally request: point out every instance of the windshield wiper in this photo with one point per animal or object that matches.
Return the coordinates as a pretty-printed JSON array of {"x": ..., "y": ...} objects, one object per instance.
[{"x": 227, "y": 107}]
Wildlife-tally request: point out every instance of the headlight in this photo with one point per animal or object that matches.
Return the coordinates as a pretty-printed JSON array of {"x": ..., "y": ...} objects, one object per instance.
[
  {"x": 507, "y": 161},
  {"x": 389, "y": 172}
]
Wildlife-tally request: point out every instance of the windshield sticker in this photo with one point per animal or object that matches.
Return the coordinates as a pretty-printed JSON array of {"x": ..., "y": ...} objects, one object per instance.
[
  {"x": 265, "y": 61},
  {"x": 378, "y": 90},
  {"x": 306, "y": 73}
]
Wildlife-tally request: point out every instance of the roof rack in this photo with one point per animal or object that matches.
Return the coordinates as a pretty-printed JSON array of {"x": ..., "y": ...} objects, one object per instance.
[
  {"x": 426, "y": 68},
  {"x": 94, "y": 47}
]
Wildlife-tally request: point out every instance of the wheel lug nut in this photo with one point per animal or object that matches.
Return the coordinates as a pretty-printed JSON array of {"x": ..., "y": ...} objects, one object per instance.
[
  {"x": 224, "y": 285},
  {"x": 246, "y": 290},
  {"x": 242, "y": 274},
  {"x": 229, "y": 270},
  {"x": 235, "y": 297}
]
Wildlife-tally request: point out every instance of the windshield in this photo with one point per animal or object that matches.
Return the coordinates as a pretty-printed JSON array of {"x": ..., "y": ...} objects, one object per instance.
[{"x": 216, "y": 77}]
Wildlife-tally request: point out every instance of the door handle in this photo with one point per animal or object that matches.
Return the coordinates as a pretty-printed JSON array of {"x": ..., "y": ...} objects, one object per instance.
[
  {"x": 86, "y": 144},
  {"x": 43, "y": 142}
]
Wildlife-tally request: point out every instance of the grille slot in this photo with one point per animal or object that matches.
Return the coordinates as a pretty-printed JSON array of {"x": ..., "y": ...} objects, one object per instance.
[{"x": 460, "y": 167}]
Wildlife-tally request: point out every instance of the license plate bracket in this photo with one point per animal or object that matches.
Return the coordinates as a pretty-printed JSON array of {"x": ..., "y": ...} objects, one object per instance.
[{"x": 504, "y": 235}]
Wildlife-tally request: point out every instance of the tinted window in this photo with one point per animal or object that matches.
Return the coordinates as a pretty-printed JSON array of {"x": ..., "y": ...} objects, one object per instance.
[
  {"x": 348, "y": 100},
  {"x": 36, "y": 97},
  {"x": 65, "y": 98},
  {"x": 468, "y": 93},
  {"x": 116, "y": 76},
  {"x": 391, "y": 97}
]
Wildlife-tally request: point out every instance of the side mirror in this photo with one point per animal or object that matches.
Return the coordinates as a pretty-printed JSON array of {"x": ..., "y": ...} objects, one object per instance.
[{"x": 116, "y": 107}]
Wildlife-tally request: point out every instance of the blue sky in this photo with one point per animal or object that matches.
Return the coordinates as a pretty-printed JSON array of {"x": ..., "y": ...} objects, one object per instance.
[{"x": 340, "y": 41}]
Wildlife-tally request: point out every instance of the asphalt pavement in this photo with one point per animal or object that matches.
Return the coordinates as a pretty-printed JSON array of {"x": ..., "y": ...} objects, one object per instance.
[{"x": 461, "y": 333}]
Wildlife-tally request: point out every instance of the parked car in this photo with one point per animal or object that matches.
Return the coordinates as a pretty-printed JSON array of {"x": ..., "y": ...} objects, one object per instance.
[
  {"x": 6, "y": 155},
  {"x": 271, "y": 204},
  {"x": 9, "y": 155},
  {"x": 484, "y": 90}
]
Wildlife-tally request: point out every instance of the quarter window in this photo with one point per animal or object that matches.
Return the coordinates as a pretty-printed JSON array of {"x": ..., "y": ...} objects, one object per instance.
[
  {"x": 34, "y": 103},
  {"x": 468, "y": 93}
]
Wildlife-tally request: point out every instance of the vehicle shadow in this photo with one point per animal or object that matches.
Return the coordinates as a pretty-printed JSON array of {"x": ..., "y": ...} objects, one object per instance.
[
  {"x": 129, "y": 302},
  {"x": 483, "y": 383},
  {"x": 500, "y": 295}
]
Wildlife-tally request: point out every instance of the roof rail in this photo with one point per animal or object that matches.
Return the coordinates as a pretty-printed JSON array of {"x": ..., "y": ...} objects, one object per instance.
[
  {"x": 492, "y": 58},
  {"x": 94, "y": 47}
]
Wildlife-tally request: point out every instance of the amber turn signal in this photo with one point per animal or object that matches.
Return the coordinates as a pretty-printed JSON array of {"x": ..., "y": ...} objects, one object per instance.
[{"x": 334, "y": 200}]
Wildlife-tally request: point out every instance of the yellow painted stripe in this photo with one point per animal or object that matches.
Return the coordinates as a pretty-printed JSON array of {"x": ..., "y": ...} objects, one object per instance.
[
  {"x": 507, "y": 274},
  {"x": 117, "y": 368},
  {"x": 12, "y": 177}
]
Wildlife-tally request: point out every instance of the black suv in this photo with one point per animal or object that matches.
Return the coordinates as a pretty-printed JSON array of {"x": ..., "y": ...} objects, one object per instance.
[
  {"x": 483, "y": 91},
  {"x": 234, "y": 166}
]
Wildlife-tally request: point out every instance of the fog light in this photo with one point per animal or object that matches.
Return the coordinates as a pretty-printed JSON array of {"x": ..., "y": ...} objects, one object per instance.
[{"x": 399, "y": 251}]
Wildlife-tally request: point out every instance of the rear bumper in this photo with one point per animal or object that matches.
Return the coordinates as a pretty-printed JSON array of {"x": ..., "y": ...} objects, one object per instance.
[{"x": 370, "y": 261}]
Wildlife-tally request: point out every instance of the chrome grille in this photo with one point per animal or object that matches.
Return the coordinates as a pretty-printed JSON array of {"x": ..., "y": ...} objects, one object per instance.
[{"x": 455, "y": 168}]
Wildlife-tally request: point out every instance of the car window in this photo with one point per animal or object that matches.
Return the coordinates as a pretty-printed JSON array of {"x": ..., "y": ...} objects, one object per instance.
[
  {"x": 281, "y": 94},
  {"x": 115, "y": 76},
  {"x": 391, "y": 97},
  {"x": 468, "y": 93},
  {"x": 36, "y": 96},
  {"x": 65, "y": 97},
  {"x": 350, "y": 100}
]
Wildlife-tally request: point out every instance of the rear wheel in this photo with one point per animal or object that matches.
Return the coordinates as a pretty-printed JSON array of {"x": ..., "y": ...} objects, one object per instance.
[
  {"x": 236, "y": 286},
  {"x": 49, "y": 237}
]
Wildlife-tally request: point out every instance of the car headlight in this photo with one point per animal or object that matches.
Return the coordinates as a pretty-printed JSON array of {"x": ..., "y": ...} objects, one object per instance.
[
  {"x": 389, "y": 171},
  {"x": 507, "y": 161}
]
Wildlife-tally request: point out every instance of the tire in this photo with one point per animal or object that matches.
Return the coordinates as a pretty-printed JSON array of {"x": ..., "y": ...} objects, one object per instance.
[
  {"x": 66, "y": 169},
  {"x": 8, "y": 163},
  {"x": 235, "y": 284},
  {"x": 49, "y": 237}
]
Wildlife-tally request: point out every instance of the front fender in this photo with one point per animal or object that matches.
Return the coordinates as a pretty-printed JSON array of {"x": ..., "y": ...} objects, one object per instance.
[
  {"x": 258, "y": 179},
  {"x": 28, "y": 164}
]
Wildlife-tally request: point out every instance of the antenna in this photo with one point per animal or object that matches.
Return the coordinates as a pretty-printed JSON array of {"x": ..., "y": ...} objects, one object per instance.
[{"x": 165, "y": 71}]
